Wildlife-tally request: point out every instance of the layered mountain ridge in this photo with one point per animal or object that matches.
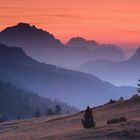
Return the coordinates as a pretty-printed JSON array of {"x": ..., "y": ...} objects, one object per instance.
[
  {"x": 54, "y": 82},
  {"x": 120, "y": 73},
  {"x": 44, "y": 47}
]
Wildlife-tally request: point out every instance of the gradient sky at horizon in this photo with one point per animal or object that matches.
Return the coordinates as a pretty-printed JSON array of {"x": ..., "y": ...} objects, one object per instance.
[{"x": 106, "y": 21}]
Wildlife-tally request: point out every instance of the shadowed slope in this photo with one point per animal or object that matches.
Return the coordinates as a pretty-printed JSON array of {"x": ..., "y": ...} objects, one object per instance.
[{"x": 73, "y": 87}]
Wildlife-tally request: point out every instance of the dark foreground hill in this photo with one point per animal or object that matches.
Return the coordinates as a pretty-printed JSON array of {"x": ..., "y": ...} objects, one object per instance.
[
  {"x": 75, "y": 88},
  {"x": 68, "y": 127}
]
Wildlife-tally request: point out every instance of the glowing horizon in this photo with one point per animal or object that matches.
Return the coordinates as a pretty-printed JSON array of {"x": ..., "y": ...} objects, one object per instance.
[{"x": 109, "y": 21}]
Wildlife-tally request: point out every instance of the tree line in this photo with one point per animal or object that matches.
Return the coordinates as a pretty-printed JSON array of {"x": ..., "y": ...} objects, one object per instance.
[{"x": 17, "y": 103}]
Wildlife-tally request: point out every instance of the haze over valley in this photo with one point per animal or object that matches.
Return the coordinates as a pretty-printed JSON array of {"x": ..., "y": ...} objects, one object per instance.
[{"x": 69, "y": 70}]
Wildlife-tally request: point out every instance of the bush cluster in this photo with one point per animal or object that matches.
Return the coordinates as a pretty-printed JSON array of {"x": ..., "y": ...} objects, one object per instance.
[{"x": 116, "y": 120}]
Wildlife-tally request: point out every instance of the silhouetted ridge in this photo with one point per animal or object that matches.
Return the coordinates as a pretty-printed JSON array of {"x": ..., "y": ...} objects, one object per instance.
[
  {"x": 25, "y": 25},
  {"x": 11, "y": 52},
  {"x": 26, "y": 31},
  {"x": 44, "y": 47},
  {"x": 22, "y": 26},
  {"x": 14, "y": 54},
  {"x": 120, "y": 73},
  {"x": 53, "y": 82},
  {"x": 81, "y": 42},
  {"x": 136, "y": 56}
]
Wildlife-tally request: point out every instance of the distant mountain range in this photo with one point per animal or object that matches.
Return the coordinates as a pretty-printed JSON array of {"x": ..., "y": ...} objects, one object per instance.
[
  {"x": 120, "y": 73},
  {"x": 75, "y": 88},
  {"x": 44, "y": 47},
  {"x": 81, "y": 42}
]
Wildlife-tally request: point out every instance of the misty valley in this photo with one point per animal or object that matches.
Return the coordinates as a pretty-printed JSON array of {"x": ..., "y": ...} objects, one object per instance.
[{"x": 78, "y": 90}]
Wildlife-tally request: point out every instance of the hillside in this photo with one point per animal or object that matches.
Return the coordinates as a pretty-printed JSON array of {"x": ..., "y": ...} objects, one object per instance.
[
  {"x": 56, "y": 83},
  {"x": 68, "y": 127},
  {"x": 16, "y": 103}
]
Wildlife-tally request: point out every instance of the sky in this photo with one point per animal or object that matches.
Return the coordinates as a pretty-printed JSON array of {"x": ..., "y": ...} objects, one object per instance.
[{"x": 106, "y": 21}]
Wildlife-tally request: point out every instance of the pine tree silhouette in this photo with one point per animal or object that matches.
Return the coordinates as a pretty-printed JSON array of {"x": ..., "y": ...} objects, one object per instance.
[
  {"x": 88, "y": 120},
  {"x": 37, "y": 114},
  {"x": 138, "y": 88},
  {"x": 57, "y": 109},
  {"x": 49, "y": 112}
]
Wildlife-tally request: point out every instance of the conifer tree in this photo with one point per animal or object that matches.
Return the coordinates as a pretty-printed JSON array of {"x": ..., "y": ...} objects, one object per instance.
[
  {"x": 88, "y": 120},
  {"x": 57, "y": 109},
  {"x": 37, "y": 114},
  {"x": 49, "y": 112},
  {"x": 138, "y": 88}
]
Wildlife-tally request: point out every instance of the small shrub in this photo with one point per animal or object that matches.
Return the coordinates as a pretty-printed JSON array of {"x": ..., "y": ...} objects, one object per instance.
[
  {"x": 1, "y": 120},
  {"x": 49, "y": 112},
  {"x": 122, "y": 119},
  {"x": 37, "y": 114},
  {"x": 117, "y": 120},
  {"x": 135, "y": 96},
  {"x": 121, "y": 99},
  {"x": 57, "y": 109},
  {"x": 111, "y": 101}
]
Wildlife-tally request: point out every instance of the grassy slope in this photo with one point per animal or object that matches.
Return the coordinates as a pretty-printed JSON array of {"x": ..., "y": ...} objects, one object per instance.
[{"x": 68, "y": 127}]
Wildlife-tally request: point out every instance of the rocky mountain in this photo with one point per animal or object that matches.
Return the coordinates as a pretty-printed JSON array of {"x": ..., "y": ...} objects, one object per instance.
[
  {"x": 104, "y": 51},
  {"x": 75, "y": 88},
  {"x": 28, "y": 36},
  {"x": 44, "y": 47}
]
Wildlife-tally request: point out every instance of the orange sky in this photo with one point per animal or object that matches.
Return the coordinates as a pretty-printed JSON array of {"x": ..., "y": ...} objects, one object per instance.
[{"x": 108, "y": 21}]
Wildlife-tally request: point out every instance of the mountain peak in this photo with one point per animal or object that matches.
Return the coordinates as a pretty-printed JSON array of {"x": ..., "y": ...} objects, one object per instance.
[
  {"x": 22, "y": 27},
  {"x": 23, "y": 24},
  {"x": 28, "y": 36},
  {"x": 81, "y": 42},
  {"x": 27, "y": 26},
  {"x": 77, "y": 39},
  {"x": 138, "y": 51},
  {"x": 136, "y": 56}
]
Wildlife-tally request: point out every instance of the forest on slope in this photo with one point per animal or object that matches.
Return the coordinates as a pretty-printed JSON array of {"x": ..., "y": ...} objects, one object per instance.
[{"x": 16, "y": 103}]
